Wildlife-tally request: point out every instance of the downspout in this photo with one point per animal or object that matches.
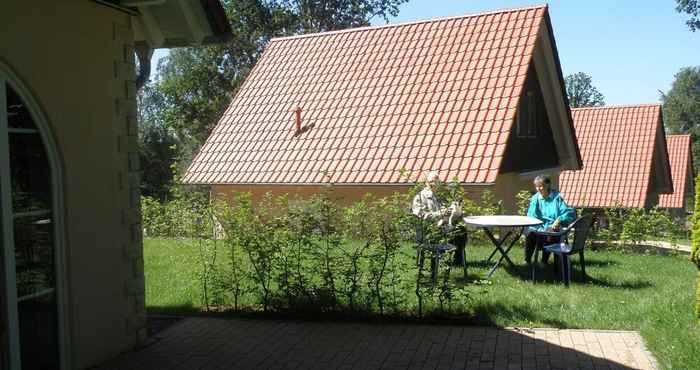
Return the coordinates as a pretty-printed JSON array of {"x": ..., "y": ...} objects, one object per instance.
[{"x": 144, "y": 53}]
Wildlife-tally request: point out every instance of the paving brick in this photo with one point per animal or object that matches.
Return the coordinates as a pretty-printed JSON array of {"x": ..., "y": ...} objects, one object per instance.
[{"x": 209, "y": 343}]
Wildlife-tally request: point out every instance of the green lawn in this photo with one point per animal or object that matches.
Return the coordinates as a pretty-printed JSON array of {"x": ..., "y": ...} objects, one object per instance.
[{"x": 652, "y": 294}]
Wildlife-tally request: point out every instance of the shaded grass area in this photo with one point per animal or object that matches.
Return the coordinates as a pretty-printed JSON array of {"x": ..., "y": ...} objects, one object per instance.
[{"x": 652, "y": 294}]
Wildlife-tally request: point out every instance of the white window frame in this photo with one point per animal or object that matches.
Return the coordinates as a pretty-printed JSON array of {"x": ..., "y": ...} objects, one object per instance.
[{"x": 8, "y": 77}]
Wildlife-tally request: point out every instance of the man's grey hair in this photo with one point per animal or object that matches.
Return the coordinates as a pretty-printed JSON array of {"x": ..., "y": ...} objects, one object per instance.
[{"x": 432, "y": 176}]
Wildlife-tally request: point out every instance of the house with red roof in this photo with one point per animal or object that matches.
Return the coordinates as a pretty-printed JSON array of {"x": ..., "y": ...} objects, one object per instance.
[
  {"x": 679, "y": 155},
  {"x": 479, "y": 98},
  {"x": 625, "y": 158}
]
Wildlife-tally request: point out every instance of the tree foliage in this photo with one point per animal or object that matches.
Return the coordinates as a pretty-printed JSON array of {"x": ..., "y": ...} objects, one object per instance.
[
  {"x": 157, "y": 147},
  {"x": 195, "y": 85},
  {"x": 682, "y": 107},
  {"x": 695, "y": 250},
  {"x": 692, "y": 8},
  {"x": 581, "y": 92},
  {"x": 695, "y": 253}
]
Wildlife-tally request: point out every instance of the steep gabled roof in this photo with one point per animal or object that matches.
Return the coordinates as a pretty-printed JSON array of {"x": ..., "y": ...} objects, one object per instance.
[
  {"x": 681, "y": 171},
  {"x": 618, "y": 145},
  {"x": 433, "y": 95}
]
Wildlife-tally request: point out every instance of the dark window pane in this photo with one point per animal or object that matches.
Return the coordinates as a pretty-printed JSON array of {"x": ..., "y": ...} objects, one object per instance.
[
  {"x": 4, "y": 334},
  {"x": 532, "y": 111},
  {"x": 29, "y": 167},
  {"x": 38, "y": 333},
  {"x": 17, "y": 113},
  {"x": 34, "y": 255}
]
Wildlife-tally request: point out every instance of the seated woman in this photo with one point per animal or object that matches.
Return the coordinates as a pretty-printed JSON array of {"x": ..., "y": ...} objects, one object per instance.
[{"x": 548, "y": 206}]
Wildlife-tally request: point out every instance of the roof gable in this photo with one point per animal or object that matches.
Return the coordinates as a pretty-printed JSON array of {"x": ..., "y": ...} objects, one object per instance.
[
  {"x": 681, "y": 171},
  {"x": 519, "y": 156},
  {"x": 618, "y": 146},
  {"x": 434, "y": 95}
]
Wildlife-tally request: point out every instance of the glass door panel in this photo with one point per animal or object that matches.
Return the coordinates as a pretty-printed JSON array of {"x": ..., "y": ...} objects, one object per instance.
[
  {"x": 36, "y": 295},
  {"x": 4, "y": 328},
  {"x": 32, "y": 228}
]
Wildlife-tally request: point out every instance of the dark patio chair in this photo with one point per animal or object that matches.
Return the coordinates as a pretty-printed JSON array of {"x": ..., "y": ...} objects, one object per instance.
[
  {"x": 563, "y": 249},
  {"x": 435, "y": 251}
]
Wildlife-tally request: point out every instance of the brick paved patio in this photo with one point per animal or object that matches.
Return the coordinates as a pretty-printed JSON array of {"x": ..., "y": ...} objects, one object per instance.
[{"x": 210, "y": 343}]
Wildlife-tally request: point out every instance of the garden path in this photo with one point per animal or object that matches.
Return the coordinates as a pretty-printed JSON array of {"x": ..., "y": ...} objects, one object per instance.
[
  {"x": 666, "y": 245},
  {"x": 216, "y": 343}
]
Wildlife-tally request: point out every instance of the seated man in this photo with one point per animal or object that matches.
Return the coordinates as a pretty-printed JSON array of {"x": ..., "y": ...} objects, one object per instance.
[
  {"x": 429, "y": 206},
  {"x": 548, "y": 206}
]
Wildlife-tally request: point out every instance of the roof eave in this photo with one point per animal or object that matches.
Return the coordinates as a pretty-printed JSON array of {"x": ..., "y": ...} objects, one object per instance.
[
  {"x": 574, "y": 160},
  {"x": 200, "y": 183},
  {"x": 202, "y": 22},
  {"x": 667, "y": 186}
]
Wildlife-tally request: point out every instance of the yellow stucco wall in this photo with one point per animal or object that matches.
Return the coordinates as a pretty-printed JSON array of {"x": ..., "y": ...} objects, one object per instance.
[
  {"x": 343, "y": 193},
  {"x": 67, "y": 53},
  {"x": 505, "y": 188}
]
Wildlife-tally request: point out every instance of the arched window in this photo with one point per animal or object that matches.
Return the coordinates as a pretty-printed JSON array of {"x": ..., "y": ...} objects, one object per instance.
[{"x": 32, "y": 314}]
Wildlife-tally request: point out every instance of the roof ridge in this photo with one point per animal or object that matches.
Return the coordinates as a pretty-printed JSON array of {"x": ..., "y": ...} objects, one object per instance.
[
  {"x": 620, "y": 106},
  {"x": 408, "y": 23},
  {"x": 677, "y": 135}
]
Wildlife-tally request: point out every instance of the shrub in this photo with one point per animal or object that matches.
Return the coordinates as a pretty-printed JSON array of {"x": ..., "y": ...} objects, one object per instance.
[
  {"x": 297, "y": 254},
  {"x": 609, "y": 227},
  {"x": 175, "y": 218},
  {"x": 697, "y": 297},
  {"x": 633, "y": 226},
  {"x": 695, "y": 252},
  {"x": 302, "y": 255},
  {"x": 522, "y": 200},
  {"x": 152, "y": 217}
]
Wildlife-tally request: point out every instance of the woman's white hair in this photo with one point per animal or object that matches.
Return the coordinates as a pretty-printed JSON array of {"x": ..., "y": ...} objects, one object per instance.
[{"x": 544, "y": 179}]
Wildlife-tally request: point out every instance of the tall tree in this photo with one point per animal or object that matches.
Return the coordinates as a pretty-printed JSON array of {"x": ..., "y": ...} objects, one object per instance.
[
  {"x": 157, "y": 145},
  {"x": 682, "y": 107},
  {"x": 581, "y": 92},
  {"x": 692, "y": 8},
  {"x": 194, "y": 85}
]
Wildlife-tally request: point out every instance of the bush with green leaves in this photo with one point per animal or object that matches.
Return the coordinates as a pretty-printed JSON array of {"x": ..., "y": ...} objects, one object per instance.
[
  {"x": 695, "y": 251},
  {"x": 292, "y": 254},
  {"x": 632, "y": 226},
  {"x": 304, "y": 254},
  {"x": 175, "y": 218},
  {"x": 522, "y": 200}
]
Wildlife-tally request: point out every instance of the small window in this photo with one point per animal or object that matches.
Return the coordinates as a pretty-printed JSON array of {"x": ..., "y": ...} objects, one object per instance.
[{"x": 527, "y": 116}]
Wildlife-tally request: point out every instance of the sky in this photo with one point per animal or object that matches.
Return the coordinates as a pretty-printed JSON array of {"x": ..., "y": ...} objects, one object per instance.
[{"x": 631, "y": 48}]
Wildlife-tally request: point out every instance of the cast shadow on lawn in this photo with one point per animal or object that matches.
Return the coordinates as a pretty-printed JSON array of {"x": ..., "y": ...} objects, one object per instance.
[
  {"x": 590, "y": 261},
  {"x": 486, "y": 314},
  {"x": 549, "y": 275}
]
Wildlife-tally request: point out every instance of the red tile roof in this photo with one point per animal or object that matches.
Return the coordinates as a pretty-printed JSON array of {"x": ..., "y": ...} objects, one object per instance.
[
  {"x": 679, "y": 157},
  {"x": 433, "y": 95},
  {"x": 617, "y": 145}
]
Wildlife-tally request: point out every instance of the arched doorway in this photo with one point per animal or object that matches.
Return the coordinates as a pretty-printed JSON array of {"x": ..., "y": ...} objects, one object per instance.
[{"x": 31, "y": 232}]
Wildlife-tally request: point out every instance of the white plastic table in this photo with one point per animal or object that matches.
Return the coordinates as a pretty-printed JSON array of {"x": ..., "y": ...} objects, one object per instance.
[{"x": 515, "y": 224}]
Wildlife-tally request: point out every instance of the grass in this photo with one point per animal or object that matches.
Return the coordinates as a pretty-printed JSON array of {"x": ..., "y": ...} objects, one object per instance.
[{"x": 652, "y": 294}]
